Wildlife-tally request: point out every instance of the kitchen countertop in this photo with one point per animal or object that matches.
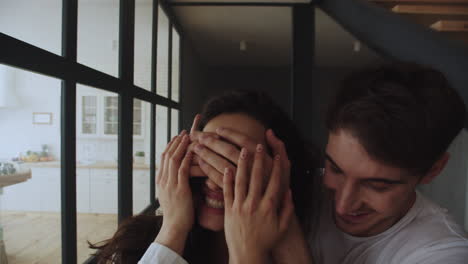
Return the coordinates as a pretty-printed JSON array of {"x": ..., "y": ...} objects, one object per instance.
[{"x": 15, "y": 178}]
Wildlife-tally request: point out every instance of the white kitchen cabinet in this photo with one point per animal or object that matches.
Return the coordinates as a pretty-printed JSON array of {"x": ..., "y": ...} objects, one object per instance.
[
  {"x": 82, "y": 190},
  {"x": 103, "y": 191},
  {"x": 141, "y": 190},
  {"x": 49, "y": 185},
  {"x": 96, "y": 191}
]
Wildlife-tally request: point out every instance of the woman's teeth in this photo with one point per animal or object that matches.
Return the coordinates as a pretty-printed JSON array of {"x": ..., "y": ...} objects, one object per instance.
[{"x": 213, "y": 203}]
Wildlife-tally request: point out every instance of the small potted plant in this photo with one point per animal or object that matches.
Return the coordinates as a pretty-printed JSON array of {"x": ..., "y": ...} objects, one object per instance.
[{"x": 140, "y": 157}]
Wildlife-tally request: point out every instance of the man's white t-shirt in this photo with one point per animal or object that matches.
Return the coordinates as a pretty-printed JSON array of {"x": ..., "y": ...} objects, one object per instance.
[{"x": 426, "y": 234}]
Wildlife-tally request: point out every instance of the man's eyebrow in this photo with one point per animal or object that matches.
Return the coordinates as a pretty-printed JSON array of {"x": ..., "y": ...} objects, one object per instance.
[
  {"x": 387, "y": 181},
  {"x": 333, "y": 162}
]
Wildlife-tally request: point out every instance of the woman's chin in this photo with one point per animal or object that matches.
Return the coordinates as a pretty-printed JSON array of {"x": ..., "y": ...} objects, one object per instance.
[{"x": 211, "y": 219}]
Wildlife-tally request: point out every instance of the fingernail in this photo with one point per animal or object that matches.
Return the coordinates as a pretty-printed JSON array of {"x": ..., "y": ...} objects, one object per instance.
[
  {"x": 226, "y": 171},
  {"x": 259, "y": 148},
  {"x": 277, "y": 157},
  {"x": 201, "y": 162},
  {"x": 243, "y": 154},
  {"x": 271, "y": 132},
  {"x": 182, "y": 132},
  {"x": 219, "y": 130}
]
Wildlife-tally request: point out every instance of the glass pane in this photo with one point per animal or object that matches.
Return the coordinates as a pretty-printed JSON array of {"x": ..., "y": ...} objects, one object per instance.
[
  {"x": 30, "y": 21},
  {"x": 98, "y": 35},
  {"x": 111, "y": 129},
  {"x": 138, "y": 114},
  {"x": 174, "y": 122},
  {"x": 89, "y": 106},
  {"x": 112, "y": 101},
  {"x": 30, "y": 208},
  {"x": 143, "y": 39},
  {"x": 96, "y": 174},
  {"x": 111, "y": 113},
  {"x": 175, "y": 65},
  {"x": 161, "y": 131},
  {"x": 162, "y": 54},
  {"x": 141, "y": 152}
]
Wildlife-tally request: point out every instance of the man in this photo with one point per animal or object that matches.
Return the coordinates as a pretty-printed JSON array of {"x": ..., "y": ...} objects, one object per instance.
[{"x": 389, "y": 130}]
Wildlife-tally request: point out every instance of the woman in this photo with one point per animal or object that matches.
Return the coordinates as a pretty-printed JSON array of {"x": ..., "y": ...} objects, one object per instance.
[{"x": 249, "y": 113}]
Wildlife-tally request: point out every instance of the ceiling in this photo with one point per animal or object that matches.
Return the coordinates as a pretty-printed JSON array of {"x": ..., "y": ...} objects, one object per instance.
[
  {"x": 216, "y": 32},
  {"x": 429, "y": 12}
]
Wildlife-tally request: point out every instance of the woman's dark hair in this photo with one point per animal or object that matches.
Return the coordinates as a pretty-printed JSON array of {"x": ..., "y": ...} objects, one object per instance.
[
  {"x": 404, "y": 115},
  {"x": 136, "y": 234}
]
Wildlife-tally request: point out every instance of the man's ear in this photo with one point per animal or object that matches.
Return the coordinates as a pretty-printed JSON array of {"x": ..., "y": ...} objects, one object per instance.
[{"x": 436, "y": 169}]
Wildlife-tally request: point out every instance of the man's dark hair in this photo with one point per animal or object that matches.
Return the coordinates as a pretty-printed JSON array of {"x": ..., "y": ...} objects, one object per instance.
[{"x": 404, "y": 115}]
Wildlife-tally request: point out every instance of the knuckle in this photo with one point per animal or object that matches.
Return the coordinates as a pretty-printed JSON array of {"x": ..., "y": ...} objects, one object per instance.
[
  {"x": 232, "y": 152},
  {"x": 173, "y": 159},
  {"x": 243, "y": 141}
]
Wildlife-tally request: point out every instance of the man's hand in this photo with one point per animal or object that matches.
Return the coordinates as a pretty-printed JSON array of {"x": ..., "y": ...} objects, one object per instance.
[
  {"x": 216, "y": 152},
  {"x": 255, "y": 219}
]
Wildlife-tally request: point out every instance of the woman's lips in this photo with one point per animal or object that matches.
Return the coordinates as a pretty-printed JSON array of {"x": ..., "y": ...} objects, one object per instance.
[{"x": 213, "y": 199}]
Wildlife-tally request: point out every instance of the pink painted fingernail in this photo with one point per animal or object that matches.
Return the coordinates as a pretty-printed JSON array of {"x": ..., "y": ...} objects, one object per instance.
[
  {"x": 259, "y": 148},
  {"x": 243, "y": 153}
]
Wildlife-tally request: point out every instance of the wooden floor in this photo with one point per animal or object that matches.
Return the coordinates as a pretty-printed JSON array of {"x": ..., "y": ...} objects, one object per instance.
[{"x": 32, "y": 237}]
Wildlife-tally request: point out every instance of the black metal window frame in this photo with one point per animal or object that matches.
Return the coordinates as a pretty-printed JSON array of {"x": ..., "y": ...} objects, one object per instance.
[{"x": 22, "y": 55}]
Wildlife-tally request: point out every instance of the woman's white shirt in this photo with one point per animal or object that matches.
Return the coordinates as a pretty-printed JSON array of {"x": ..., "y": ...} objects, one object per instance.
[{"x": 159, "y": 254}]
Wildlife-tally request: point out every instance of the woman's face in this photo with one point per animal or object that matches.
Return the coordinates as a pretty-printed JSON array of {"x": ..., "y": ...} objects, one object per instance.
[{"x": 211, "y": 210}]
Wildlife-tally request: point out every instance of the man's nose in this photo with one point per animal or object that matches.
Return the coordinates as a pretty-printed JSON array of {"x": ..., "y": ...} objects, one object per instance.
[{"x": 347, "y": 198}]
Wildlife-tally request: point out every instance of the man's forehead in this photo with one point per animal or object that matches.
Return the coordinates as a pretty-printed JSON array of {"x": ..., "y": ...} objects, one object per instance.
[{"x": 346, "y": 153}]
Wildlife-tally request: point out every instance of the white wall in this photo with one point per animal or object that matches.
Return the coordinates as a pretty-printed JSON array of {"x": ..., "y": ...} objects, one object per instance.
[
  {"x": 39, "y": 23},
  {"x": 448, "y": 189}
]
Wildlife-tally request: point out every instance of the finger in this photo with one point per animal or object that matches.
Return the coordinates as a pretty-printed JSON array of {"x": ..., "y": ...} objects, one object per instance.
[
  {"x": 176, "y": 159},
  {"x": 196, "y": 171},
  {"x": 286, "y": 212},
  {"x": 215, "y": 160},
  {"x": 240, "y": 189},
  {"x": 196, "y": 123},
  {"x": 273, "y": 188},
  {"x": 237, "y": 138},
  {"x": 228, "y": 188},
  {"x": 279, "y": 148},
  {"x": 184, "y": 169},
  {"x": 212, "y": 173},
  {"x": 162, "y": 175},
  {"x": 221, "y": 147},
  {"x": 258, "y": 172},
  {"x": 196, "y": 135}
]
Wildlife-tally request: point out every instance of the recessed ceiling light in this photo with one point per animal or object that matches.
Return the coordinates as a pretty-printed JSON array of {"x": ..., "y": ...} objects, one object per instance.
[{"x": 243, "y": 45}]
